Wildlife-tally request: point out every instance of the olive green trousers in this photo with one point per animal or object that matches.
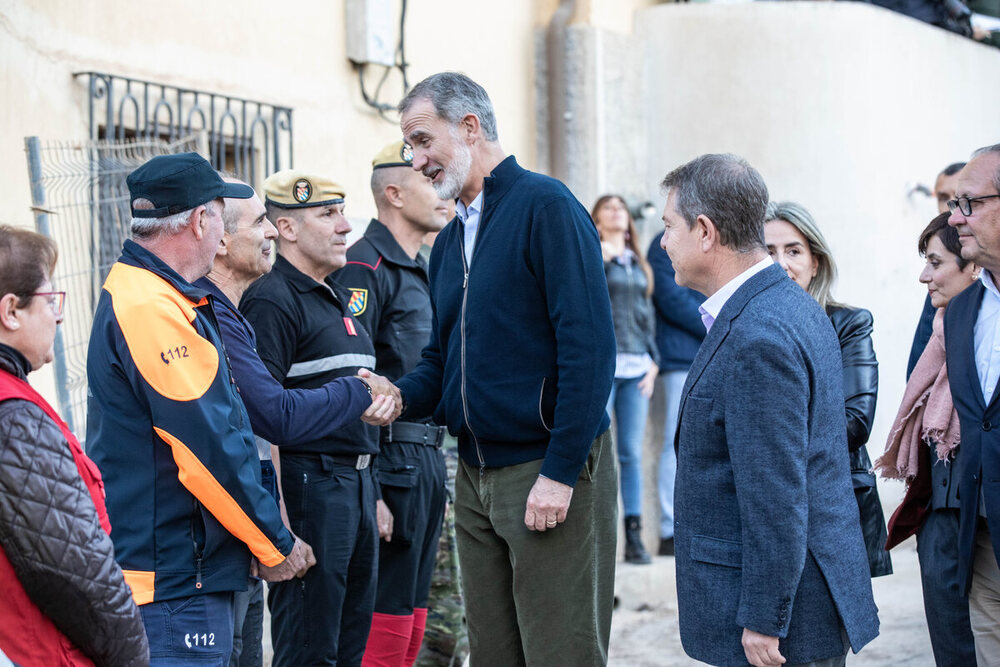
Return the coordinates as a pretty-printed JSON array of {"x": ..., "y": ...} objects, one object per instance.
[{"x": 538, "y": 598}]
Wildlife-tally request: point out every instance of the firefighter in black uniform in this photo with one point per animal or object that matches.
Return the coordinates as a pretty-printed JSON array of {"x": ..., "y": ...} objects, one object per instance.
[
  {"x": 390, "y": 297},
  {"x": 307, "y": 336}
]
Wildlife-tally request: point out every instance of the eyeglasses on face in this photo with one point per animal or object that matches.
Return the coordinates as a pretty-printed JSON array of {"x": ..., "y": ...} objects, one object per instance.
[
  {"x": 964, "y": 204},
  {"x": 56, "y": 300}
]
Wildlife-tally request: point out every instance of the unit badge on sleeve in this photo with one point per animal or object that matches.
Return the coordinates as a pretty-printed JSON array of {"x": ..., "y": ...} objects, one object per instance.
[{"x": 358, "y": 302}]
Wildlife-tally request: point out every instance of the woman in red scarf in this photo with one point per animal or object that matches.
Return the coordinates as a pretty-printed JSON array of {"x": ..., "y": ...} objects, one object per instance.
[
  {"x": 64, "y": 601},
  {"x": 923, "y": 450}
]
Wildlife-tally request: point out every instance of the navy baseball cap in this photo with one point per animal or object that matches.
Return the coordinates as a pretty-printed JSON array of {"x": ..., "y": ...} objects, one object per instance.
[{"x": 179, "y": 182}]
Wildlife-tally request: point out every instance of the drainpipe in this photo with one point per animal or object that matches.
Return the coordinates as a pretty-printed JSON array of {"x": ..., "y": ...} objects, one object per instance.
[{"x": 558, "y": 113}]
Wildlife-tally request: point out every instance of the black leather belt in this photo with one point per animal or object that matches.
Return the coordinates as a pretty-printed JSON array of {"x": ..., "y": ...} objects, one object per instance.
[{"x": 430, "y": 435}]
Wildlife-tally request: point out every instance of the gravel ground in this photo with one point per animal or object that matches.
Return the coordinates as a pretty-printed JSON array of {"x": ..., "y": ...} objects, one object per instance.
[{"x": 644, "y": 628}]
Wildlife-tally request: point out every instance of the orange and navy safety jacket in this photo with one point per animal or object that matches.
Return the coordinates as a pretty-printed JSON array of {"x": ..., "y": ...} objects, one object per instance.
[{"x": 169, "y": 432}]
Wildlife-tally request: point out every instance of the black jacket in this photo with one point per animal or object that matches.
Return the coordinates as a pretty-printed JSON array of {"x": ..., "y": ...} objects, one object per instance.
[
  {"x": 390, "y": 297},
  {"x": 50, "y": 532},
  {"x": 854, "y": 331}
]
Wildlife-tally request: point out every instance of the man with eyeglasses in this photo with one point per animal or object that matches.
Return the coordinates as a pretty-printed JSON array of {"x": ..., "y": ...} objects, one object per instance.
[{"x": 972, "y": 337}]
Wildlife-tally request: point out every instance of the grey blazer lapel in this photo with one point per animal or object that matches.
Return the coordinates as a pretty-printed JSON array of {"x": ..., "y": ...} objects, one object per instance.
[{"x": 721, "y": 327}]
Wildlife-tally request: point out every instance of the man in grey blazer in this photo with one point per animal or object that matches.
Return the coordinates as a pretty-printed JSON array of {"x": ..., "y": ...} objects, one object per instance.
[{"x": 771, "y": 567}]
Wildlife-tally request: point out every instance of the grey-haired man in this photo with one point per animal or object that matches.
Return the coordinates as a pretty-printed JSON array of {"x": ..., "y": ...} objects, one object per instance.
[{"x": 519, "y": 367}]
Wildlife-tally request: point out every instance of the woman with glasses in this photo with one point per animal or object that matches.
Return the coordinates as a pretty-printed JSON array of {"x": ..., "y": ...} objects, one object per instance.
[
  {"x": 64, "y": 600},
  {"x": 923, "y": 449},
  {"x": 795, "y": 243},
  {"x": 630, "y": 284}
]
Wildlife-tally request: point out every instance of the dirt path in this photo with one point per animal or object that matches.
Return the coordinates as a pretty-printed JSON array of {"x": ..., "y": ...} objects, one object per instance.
[{"x": 644, "y": 629}]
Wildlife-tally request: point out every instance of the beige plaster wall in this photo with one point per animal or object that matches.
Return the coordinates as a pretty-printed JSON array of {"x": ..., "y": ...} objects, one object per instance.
[{"x": 292, "y": 55}]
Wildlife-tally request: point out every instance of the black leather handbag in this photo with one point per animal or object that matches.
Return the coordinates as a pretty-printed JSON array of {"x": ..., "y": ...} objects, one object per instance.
[{"x": 872, "y": 519}]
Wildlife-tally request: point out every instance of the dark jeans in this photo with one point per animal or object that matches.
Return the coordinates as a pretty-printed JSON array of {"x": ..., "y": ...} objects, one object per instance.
[
  {"x": 324, "y": 618},
  {"x": 193, "y": 630},
  {"x": 248, "y": 636},
  {"x": 413, "y": 481},
  {"x": 946, "y": 609},
  {"x": 538, "y": 598}
]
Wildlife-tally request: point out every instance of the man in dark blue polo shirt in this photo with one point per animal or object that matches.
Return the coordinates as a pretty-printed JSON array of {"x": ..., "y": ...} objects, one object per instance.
[{"x": 306, "y": 338}]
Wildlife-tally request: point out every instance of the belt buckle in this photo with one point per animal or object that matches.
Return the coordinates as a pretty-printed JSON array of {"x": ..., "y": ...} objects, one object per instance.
[{"x": 363, "y": 461}]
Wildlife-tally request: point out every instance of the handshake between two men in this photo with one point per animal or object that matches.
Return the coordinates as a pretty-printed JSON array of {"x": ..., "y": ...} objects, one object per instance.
[
  {"x": 387, "y": 403},
  {"x": 386, "y": 406}
]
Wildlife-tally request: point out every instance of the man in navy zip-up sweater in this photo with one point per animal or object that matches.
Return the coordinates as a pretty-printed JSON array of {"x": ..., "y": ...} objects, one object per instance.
[{"x": 519, "y": 367}]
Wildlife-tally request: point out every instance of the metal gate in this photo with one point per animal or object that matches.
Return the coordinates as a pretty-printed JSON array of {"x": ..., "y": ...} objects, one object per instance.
[{"x": 80, "y": 199}]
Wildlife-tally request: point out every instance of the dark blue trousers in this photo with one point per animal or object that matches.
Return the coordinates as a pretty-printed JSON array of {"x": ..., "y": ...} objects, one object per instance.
[
  {"x": 946, "y": 608},
  {"x": 193, "y": 630},
  {"x": 324, "y": 618}
]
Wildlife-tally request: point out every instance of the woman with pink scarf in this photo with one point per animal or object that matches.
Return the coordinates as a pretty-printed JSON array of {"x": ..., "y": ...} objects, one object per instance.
[{"x": 923, "y": 449}]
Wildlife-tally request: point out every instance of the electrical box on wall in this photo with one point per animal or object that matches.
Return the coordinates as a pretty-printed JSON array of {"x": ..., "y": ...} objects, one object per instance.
[{"x": 370, "y": 32}]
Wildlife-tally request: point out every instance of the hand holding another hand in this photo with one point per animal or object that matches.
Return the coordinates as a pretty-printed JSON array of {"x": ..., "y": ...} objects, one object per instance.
[
  {"x": 381, "y": 387},
  {"x": 381, "y": 412},
  {"x": 296, "y": 563}
]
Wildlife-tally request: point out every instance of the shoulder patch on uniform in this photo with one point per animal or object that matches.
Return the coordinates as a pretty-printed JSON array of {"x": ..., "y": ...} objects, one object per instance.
[
  {"x": 157, "y": 323},
  {"x": 359, "y": 300}
]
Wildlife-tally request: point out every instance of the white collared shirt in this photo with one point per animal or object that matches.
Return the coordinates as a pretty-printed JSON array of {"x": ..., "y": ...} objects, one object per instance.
[
  {"x": 986, "y": 335},
  {"x": 470, "y": 220},
  {"x": 712, "y": 306}
]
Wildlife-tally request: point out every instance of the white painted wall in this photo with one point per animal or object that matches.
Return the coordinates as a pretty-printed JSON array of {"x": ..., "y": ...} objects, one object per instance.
[{"x": 842, "y": 107}]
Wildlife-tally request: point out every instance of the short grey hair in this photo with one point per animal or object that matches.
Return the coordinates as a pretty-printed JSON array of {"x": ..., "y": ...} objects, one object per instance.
[
  {"x": 986, "y": 150},
  {"x": 454, "y": 95},
  {"x": 821, "y": 287},
  {"x": 147, "y": 228},
  {"x": 727, "y": 190},
  {"x": 230, "y": 223}
]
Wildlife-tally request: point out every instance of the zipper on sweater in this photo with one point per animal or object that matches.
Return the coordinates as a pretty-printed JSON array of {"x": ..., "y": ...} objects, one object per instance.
[
  {"x": 197, "y": 548},
  {"x": 465, "y": 297}
]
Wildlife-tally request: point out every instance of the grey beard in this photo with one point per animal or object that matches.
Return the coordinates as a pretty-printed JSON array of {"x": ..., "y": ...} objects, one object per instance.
[{"x": 455, "y": 175}]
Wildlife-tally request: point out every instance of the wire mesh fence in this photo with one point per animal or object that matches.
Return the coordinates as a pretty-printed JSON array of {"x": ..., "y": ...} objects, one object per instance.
[{"x": 80, "y": 200}]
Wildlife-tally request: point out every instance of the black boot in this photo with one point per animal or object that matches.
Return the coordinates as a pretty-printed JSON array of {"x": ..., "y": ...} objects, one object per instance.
[{"x": 634, "y": 551}]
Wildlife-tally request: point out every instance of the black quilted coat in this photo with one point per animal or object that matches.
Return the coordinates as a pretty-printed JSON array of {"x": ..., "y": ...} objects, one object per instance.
[{"x": 49, "y": 530}]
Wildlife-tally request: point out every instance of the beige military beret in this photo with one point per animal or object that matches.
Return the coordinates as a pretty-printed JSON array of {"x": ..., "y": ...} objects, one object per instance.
[
  {"x": 291, "y": 188},
  {"x": 396, "y": 154}
]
